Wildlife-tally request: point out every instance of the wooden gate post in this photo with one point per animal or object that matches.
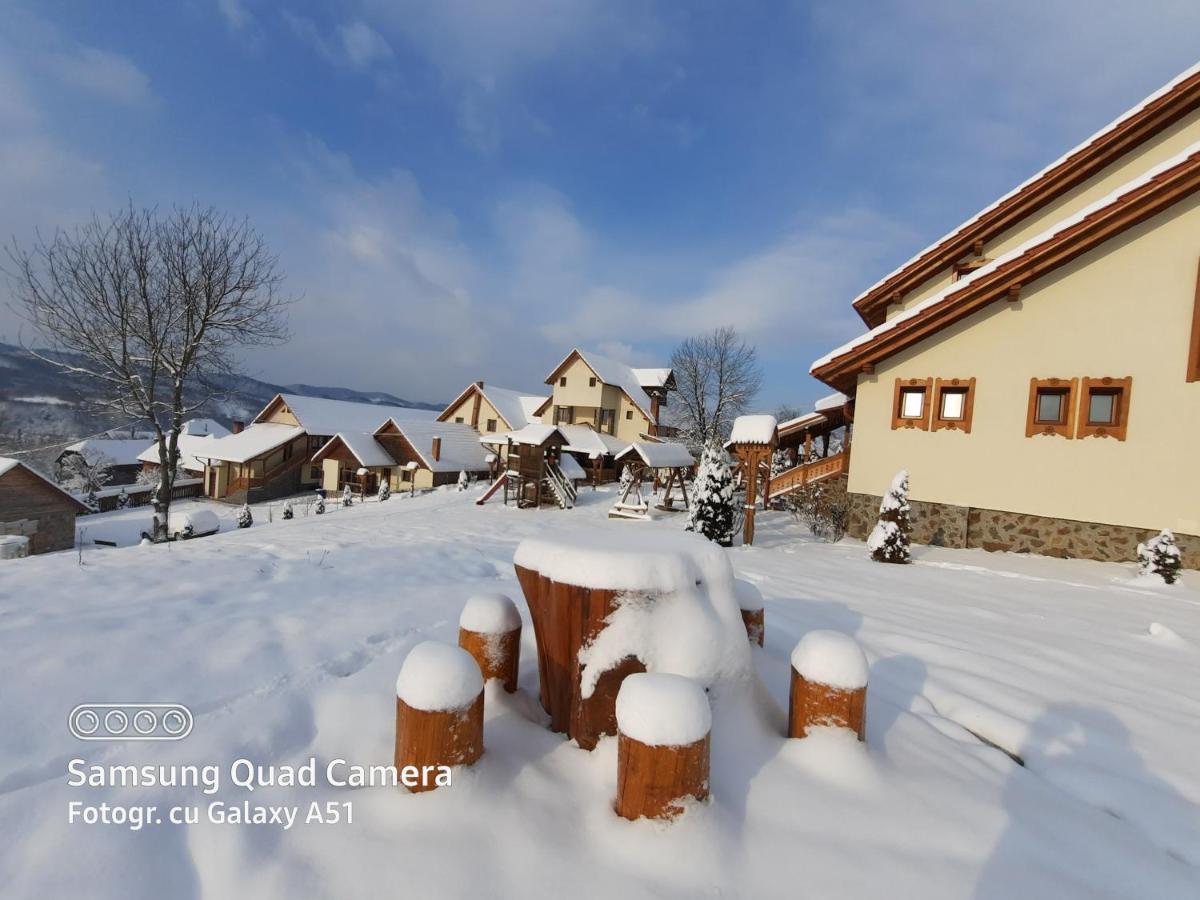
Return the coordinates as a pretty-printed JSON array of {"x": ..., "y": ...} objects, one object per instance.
[
  {"x": 663, "y": 739},
  {"x": 490, "y": 630},
  {"x": 439, "y": 710},
  {"x": 829, "y": 684}
]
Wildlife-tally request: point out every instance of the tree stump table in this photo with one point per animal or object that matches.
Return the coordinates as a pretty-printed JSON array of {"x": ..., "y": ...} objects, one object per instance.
[{"x": 565, "y": 618}]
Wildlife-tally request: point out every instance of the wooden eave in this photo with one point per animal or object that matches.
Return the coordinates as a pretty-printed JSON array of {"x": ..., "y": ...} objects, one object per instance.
[
  {"x": 1070, "y": 172},
  {"x": 1131, "y": 208}
]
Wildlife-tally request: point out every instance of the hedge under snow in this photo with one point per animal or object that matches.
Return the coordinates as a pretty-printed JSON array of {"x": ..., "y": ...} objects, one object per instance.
[
  {"x": 831, "y": 658},
  {"x": 663, "y": 710},
  {"x": 437, "y": 677}
]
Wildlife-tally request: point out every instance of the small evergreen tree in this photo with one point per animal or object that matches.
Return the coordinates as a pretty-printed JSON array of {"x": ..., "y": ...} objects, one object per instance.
[
  {"x": 889, "y": 540},
  {"x": 385, "y": 490},
  {"x": 626, "y": 477},
  {"x": 463, "y": 481},
  {"x": 347, "y": 496},
  {"x": 244, "y": 518},
  {"x": 288, "y": 513},
  {"x": 780, "y": 462},
  {"x": 320, "y": 506},
  {"x": 1160, "y": 557},
  {"x": 122, "y": 499},
  {"x": 711, "y": 512}
]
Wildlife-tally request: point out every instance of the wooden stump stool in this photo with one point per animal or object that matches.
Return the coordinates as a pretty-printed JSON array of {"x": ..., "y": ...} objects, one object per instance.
[
  {"x": 751, "y": 602},
  {"x": 663, "y": 735},
  {"x": 439, "y": 710},
  {"x": 829, "y": 684},
  {"x": 490, "y": 630}
]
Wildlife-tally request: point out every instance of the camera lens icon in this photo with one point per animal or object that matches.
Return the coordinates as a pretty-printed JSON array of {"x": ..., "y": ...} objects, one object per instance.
[{"x": 130, "y": 721}]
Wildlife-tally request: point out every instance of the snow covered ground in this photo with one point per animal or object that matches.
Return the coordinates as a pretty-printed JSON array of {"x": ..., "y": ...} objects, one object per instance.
[{"x": 285, "y": 640}]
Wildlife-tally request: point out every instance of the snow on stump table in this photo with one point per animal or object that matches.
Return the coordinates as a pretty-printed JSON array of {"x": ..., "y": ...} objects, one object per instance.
[
  {"x": 606, "y": 604},
  {"x": 663, "y": 738},
  {"x": 750, "y": 601},
  {"x": 829, "y": 684},
  {"x": 439, "y": 710},
  {"x": 490, "y": 630}
]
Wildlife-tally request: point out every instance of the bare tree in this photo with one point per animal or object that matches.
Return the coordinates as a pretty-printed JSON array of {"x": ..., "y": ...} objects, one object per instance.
[
  {"x": 717, "y": 376},
  {"x": 152, "y": 307}
]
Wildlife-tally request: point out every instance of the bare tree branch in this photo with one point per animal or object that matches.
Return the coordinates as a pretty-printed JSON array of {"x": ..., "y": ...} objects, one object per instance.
[{"x": 717, "y": 376}]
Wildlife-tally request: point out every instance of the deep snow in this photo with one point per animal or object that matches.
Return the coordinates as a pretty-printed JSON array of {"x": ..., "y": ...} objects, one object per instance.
[{"x": 286, "y": 639}]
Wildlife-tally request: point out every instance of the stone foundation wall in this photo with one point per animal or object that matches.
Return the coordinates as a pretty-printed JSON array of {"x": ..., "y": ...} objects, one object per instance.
[{"x": 946, "y": 525}]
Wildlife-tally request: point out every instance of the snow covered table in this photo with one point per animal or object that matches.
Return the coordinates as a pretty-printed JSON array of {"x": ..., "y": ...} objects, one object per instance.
[{"x": 606, "y": 604}]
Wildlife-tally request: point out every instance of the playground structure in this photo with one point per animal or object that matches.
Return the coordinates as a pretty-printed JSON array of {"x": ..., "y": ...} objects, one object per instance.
[
  {"x": 532, "y": 473},
  {"x": 651, "y": 460}
]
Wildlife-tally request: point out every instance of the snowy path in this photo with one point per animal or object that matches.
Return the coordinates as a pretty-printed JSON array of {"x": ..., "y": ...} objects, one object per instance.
[{"x": 285, "y": 641}]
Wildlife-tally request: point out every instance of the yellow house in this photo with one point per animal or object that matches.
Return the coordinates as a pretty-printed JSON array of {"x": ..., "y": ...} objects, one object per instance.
[
  {"x": 489, "y": 409},
  {"x": 1037, "y": 370},
  {"x": 607, "y": 396}
]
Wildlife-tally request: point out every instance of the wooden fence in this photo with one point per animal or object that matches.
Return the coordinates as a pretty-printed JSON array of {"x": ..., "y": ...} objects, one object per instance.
[{"x": 139, "y": 494}]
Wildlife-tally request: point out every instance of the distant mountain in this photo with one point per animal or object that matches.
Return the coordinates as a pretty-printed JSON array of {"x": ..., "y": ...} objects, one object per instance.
[{"x": 39, "y": 403}]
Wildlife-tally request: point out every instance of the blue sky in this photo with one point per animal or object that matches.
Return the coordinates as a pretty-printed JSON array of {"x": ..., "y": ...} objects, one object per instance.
[{"x": 465, "y": 189}]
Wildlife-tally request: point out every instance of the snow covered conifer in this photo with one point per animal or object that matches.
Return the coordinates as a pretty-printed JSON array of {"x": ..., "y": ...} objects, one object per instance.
[
  {"x": 122, "y": 499},
  {"x": 780, "y": 462},
  {"x": 385, "y": 490},
  {"x": 288, "y": 512},
  {"x": 347, "y": 496},
  {"x": 889, "y": 540},
  {"x": 320, "y": 507},
  {"x": 244, "y": 518},
  {"x": 1160, "y": 556},
  {"x": 463, "y": 481},
  {"x": 626, "y": 477},
  {"x": 711, "y": 512}
]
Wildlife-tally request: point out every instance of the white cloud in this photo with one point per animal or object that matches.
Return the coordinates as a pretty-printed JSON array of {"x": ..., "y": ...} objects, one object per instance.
[
  {"x": 100, "y": 72},
  {"x": 235, "y": 14},
  {"x": 363, "y": 45}
]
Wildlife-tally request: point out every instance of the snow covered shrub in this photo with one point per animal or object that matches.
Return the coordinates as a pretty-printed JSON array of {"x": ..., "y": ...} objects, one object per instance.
[
  {"x": 780, "y": 462},
  {"x": 824, "y": 507},
  {"x": 244, "y": 518},
  {"x": 320, "y": 506},
  {"x": 347, "y": 496},
  {"x": 385, "y": 490},
  {"x": 287, "y": 509},
  {"x": 188, "y": 531},
  {"x": 711, "y": 512},
  {"x": 626, "y": 477},
  {"x": 463, "y": 481},
  {"x": 889, "y": 540},
  {"x": 1160, "y": 557},
  {"x": 122, "y": 499}
]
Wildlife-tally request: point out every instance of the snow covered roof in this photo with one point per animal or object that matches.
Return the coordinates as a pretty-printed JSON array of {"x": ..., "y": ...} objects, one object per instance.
[
  {"x": 123, "y": 452},
  {"x": 571, "y": 469},
  {"x": 660, "y": 456},
  {"x": 812, "y": 418},
  {"x": 193, "y": 450},
  {"x": 1047, "y": 174},
  {"x": 653, "y": 377},
  {"x": 363, "y": 446},
  {"x": 531, "y": 434},
  {"x": 460, "y": 447},
  {"x": 753, "y": 430},
  {"x": 517, "y": 408},
  {"x": 204, "y": 428},
  {"x": 834, "y": 400},
  {"x": 318, "y": 415},
  {"x": 1188, "y": 159},
  {"x": 610, "y": 371},
  {"x": 7, "y": 464},
  {"x": 582, "y": 439},
  {"x": 259, "y": 438}
]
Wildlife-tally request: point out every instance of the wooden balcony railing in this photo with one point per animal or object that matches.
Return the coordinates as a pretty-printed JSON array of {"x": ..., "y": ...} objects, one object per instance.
[{"x": 797, "y": 477}]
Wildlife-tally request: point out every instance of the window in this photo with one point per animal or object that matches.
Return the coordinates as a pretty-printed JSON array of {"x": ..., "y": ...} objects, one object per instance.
[
  {"x": 564, "y": 415},
  {"x": 491, "y": 424},
  {"x": 592, "y": 382},
  {"x": 1104, "y": 410},
  {"x": 608, "y": 420},
  {"x": 955, "y": 404},
  {"x": 458, "y": 419},
  {"x": 562, "y": 382},
  {"x": 910, "y": 407},
  {"x": 1051, "y": 406},
  {"x": 629, "y": 415},
  {"x": 314, "y": 473}
]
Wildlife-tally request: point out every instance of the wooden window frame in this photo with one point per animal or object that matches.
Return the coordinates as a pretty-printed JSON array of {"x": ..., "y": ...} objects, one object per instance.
[
  {"x": 592, "y": 381},
  {"x": 629, "y": 415},
  {"x": 1193, "y": 370},
  {"x": 491, "y": 425},
  {"x": 1122, "y": 388},
  {"x": 964, "y": 386},
  {"x": 562, "y": 381},
  {"x": 908, "y": 384},
  {"x": 1065, "y": 428}
]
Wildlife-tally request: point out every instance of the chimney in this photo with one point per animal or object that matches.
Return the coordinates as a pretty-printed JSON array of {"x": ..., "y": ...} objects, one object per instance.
[
  {"x": 479, "y": 384},
  {"x": 238, "y": 426},
  {"x": 437, "y": 449}
]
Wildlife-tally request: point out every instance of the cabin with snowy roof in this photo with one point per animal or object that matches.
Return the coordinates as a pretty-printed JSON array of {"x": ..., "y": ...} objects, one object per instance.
[
  {"x": 34, "y": 510},
  {"x": 490, "y": 409},
  {"x": 273, "y": 456},
  {"x": 1037, "y": 370},
  {"x": 608, "y": 397}
]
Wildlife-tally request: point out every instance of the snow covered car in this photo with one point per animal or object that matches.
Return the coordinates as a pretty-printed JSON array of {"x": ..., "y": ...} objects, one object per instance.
[{"x": 189, "y": 523}]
